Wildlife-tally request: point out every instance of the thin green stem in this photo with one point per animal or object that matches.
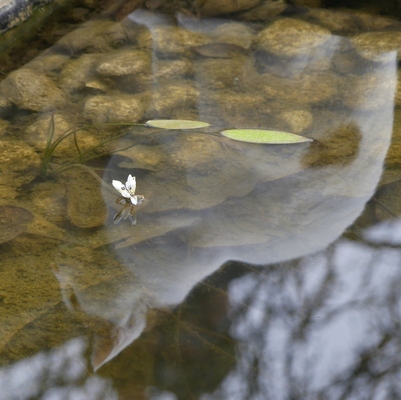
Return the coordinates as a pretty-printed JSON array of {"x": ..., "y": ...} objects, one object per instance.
[
  {"x": 92, "y": 172},
  {"x": 84, "y": 156},
  {"x": 76, "y": 145}
]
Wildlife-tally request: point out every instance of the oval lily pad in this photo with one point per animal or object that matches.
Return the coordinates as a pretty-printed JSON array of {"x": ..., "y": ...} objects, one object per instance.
[
  {"x": 176, "y": 124},
  {"x": 13, "y": 221},
  {"x": 264, "y": 136}
]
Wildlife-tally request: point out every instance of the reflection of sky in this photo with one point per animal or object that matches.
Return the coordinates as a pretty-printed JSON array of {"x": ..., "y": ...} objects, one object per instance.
[
  {"x": 325, "y": 326},
  {"x": 57, "y": 374},
  {"x": 387, "y": 232}
]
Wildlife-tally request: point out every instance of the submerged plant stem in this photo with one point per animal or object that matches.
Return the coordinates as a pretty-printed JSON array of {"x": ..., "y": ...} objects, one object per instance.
[
  {"x": 91, "y": 172},
  {"x": 84, "y": 156}
]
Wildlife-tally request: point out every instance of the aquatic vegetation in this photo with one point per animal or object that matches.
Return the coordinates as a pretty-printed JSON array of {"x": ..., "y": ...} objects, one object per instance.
[
  {"x": 52, "y": 145},
  {"x": 263, "y": 136},
  {"x": 195, "y": 153},
  {"x": 260, "y": 136},
  {"x": 48, "y": 169},
  {"x": 176, "y": 124}
]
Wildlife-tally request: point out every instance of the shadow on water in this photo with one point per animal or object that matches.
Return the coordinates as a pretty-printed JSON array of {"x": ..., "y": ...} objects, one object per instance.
[{"x": 250, "y": 271}]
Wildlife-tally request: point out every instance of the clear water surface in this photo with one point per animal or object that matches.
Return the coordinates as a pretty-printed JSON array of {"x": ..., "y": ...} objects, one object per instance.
[{"x": 250, "y": 271}]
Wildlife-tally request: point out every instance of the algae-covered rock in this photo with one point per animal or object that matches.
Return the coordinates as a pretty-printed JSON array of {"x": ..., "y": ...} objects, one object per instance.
[
  {"x": 220, "y": 73},
  {"x": 292, "y": 38},
  {"x": 37, "y": 135},
  {"x": 4, "y": 124},
  {"x": 19, "y": 165},
  {"x": 297, "y": 120},
  {"x": 264, "y": 11},
  {"x": 213, "y": 8},
  {"x": 307, "y": 88},
  {"x": 98, "y": 36},
  {"x": 48, "y": 61},
  {"x": 113, "y": 108},
  {"x": 13, "y": 221},
  {"x": 31, "y": 90},
  {"x": 169, "y": 99},
  {"x": 129, "y": 69},
  {"x": 5, "y": 105},
  {"x": 165, "y": 70},
  {"x": 86, "y": 207},
  {"x": 49, "y": 199},
  {"x": 234, "y": 33},
  {"x": 175, "y": 41},
  {"x": 371, "y": 91},
  {"x": 78, "y": 72},
  {"x": 378, "y": 46},
  {"x": 124, "y": 62},
  {"x": 241, "y": 110}
]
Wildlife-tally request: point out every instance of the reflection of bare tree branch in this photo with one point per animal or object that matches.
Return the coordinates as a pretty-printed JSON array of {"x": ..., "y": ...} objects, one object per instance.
[{"x": 322, "y": 327}]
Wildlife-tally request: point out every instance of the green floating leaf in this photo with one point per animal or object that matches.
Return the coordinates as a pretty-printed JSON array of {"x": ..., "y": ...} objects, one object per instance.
[
  {"x": 264, "y": 136},
  {"x": 176, "y": 124}
]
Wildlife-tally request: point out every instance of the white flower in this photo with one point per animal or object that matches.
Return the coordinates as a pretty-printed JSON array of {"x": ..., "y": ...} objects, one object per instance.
[{"x": 128, "y": 190}]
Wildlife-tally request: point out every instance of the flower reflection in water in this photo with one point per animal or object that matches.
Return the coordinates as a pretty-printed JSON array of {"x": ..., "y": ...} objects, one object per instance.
[{"x": 128, "y": 211}]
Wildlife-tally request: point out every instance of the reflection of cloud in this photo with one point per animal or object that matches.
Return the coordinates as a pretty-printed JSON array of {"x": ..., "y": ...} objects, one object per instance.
[
  {"x": 56, "y": 374},
  {"x": 385, "y": 232},
  {"x": 325, "y": 327},
  {"x": 154, "y": 394},
  {"x": 232, "y": 191},
  {"x": 123, "y": 306}
]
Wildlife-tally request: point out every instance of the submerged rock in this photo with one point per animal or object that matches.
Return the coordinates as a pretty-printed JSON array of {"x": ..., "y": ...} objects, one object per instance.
[
  {"x": 234, "y": 33},
  {"x": 3, "y": 127},
  {"x": 86, "y": 207},
  {"x": 371, "y": 91},
  {"x": 130, "y": 70},
  {"x": 297, "y": 121},
  {"x": 5, "y": 105},
  {"x": 378, "y": 46},
  {"x": 19, "y": 165},
  {"x": 113, "y": 108},
  {"x": 336, "y": 22},
  {"x": 264, "y": 11},
  {"x": 292, "y": 38},
  {"x": 241, "y": 110},
  {"x": 49, "y": 200},
  {"x": 168, "y": 69},
  {"x": 303, "y": 89},
  {"x": 31, "y": 90},
  {"x": 221, "y": 73},
  {"x": 171, "y": 40},
  {"x": 213, "y": 8},
  {"x": 14, "y": 221},
  {"x": 78, "y": 72},
  {"x": 125, "y": 62},
  {"x": 98, "y": 35},
  {"x": 171, "y": 99},
  {"x": 48, "y": 62},
  {"x": 37, "y": 135}
]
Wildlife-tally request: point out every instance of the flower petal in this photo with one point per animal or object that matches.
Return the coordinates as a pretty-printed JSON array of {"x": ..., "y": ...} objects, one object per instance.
[
  {"x": 134, "y": 200},
  {"x": 131, "y": 184},
  {"x": 119, "y": 186}
]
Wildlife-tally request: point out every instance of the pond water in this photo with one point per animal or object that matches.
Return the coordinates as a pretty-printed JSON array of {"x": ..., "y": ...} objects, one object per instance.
[{"x": 247, "y": 271}]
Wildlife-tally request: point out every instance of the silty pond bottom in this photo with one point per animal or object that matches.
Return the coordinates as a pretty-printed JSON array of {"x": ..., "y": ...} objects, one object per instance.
[{"x": 246, "y": 271}]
